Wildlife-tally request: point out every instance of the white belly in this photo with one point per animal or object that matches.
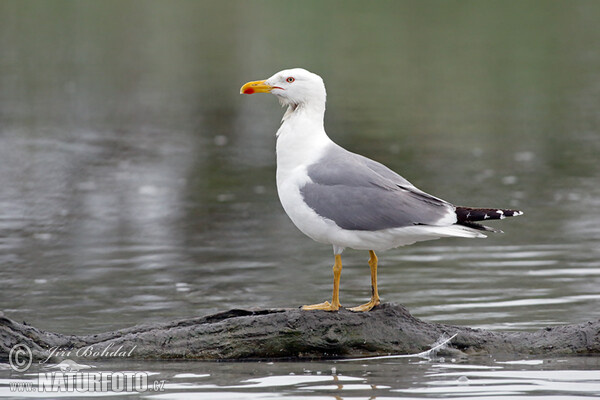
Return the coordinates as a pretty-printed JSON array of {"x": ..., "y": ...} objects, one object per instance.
[{"x": 305, "y": 219}]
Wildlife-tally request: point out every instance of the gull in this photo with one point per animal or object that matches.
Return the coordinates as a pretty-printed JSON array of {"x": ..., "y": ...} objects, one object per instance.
[{"x": 343, "y": 199}]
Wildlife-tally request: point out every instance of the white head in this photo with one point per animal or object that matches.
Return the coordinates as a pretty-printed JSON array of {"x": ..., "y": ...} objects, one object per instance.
[{"x": 293, "y": 87}]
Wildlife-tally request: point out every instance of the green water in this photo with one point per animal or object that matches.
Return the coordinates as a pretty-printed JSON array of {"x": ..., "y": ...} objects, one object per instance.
[{"x": 137, "y": 185}]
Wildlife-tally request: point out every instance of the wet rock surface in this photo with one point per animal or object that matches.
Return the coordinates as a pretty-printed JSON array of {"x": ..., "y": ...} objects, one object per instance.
[{"x": 296, "y": 334}]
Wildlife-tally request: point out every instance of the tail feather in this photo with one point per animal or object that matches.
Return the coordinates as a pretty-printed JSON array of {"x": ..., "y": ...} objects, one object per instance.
[{"x": 468, "y": 216}]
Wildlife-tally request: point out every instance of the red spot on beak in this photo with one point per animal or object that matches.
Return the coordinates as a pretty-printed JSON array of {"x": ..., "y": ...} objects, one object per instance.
[{"x": 249, "y": 91}]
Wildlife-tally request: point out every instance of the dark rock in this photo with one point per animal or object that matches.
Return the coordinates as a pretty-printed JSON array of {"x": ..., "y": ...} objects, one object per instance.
[{"x": 297, "y": 334}]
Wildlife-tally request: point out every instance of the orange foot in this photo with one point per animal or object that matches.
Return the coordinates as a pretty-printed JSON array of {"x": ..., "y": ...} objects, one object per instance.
[
  {"x": 326, "y": 306},
  {"x": 367, "y": 306}
]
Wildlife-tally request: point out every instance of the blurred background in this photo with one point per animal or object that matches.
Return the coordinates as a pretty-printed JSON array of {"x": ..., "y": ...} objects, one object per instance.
[{"x": 137, "y": 185}]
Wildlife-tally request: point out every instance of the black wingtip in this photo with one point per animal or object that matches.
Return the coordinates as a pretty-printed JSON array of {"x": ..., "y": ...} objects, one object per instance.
[{"x": 466, "y": 215}]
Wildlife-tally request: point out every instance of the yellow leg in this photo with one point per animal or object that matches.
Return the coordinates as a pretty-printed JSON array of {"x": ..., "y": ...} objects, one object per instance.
[
  {"x": 335, "y": 301},
  {"x": 374, "y": 293}
]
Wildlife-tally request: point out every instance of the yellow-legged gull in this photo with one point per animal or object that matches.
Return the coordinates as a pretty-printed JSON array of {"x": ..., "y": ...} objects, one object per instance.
[{"x": 347, "y": 200}]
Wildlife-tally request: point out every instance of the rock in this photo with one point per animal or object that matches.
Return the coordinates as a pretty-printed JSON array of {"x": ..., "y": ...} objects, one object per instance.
[{"x": 296, "y": 334}]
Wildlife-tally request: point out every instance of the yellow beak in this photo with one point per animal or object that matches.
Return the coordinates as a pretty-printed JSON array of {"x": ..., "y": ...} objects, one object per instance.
[{"x": 256, "y": 87}]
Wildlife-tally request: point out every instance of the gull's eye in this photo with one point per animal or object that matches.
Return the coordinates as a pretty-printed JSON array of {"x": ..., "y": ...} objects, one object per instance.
[{"x": 290, "y": 80}]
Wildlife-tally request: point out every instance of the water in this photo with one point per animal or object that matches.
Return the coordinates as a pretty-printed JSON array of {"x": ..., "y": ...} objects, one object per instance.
[
  {"x": 137, "y": 185},
  {"x": 475, "y": 378}
]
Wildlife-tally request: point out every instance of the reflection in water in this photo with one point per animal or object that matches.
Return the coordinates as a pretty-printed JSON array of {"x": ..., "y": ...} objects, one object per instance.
[
  {"x": 136, "y": 185},
  {"x": 478, "y": 377}
]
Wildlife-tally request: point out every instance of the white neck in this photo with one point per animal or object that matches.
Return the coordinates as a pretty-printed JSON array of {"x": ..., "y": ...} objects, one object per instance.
[
  {"x": 314, "y": 110},
  {"x": 301, "y": 138}
]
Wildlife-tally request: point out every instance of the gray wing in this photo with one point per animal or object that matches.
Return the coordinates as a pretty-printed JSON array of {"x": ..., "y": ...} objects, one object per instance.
[{"x": 361, "y": 194}]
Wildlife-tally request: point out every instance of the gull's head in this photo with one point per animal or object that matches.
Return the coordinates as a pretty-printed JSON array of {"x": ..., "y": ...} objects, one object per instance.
[{"x": 292, "y": 87}]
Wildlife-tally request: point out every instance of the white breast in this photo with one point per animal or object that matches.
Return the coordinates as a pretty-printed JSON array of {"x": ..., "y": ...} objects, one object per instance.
[{"x": 300, "y": 143}]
